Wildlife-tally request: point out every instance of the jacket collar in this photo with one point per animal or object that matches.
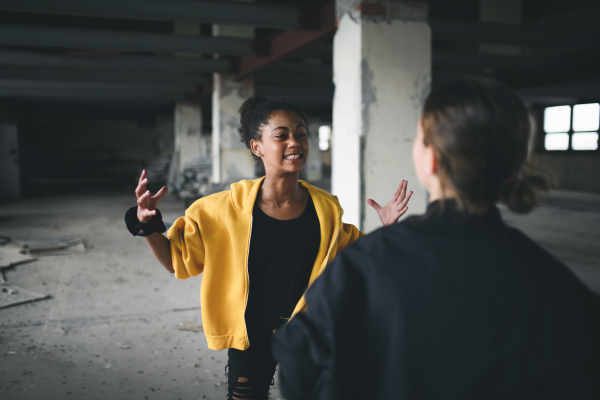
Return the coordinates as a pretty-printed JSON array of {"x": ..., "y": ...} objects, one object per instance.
[
  {"x": 449, "y": 210},
  {"x": 244, "y": 193}
]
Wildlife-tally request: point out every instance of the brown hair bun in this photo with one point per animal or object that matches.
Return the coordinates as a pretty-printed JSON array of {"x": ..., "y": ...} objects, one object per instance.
[{"x": 479, "y": 130}]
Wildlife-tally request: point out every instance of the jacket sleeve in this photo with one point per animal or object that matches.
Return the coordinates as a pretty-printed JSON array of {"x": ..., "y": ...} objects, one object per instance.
[
  {"x": 348, "y": 235},
  {"x": 313, "y": 348},
  {"x": 187, "y": 247}
]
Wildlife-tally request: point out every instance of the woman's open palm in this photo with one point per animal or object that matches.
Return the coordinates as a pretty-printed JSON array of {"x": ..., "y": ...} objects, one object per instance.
[
  {"x": 146, "y": 203},
  {"x": 395, "y": 208}
]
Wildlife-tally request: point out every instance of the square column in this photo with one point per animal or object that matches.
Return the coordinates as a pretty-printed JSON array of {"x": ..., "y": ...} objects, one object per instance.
[
  {"x": 382, "y": 75},
  {"x": 231, "y": 160},
  {"x": 188, "y": 134}
]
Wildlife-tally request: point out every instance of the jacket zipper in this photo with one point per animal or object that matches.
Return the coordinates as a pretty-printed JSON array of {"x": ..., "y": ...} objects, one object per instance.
[{"x": 248, "y": 275}]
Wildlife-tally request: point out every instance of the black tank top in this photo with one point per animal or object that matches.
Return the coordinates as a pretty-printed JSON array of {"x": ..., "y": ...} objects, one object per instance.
[{"x": 281, "y": 259}]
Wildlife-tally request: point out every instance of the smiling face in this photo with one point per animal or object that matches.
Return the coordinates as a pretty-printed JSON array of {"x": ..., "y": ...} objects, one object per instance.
[{"x": 283, "y": 145}]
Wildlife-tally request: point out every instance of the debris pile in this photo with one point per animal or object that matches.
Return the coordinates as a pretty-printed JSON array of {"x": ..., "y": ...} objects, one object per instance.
[
  {"x": 195, "y": 181},
  {"x": 15, "y": 252}
]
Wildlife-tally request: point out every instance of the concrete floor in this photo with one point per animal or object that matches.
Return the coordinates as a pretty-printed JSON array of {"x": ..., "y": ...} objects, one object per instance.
[{"x": 110, "y": 329}]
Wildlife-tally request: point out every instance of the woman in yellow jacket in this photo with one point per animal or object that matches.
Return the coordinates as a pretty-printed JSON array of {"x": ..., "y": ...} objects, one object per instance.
[{"x": 276, "y": 233}]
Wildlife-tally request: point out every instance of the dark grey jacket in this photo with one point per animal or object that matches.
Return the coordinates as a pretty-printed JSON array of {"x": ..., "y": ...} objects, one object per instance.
[{"x": 445, "y": 307}]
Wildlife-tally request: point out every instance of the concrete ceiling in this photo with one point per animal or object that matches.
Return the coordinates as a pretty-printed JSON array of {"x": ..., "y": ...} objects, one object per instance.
[{"x": 125, "y": 51}]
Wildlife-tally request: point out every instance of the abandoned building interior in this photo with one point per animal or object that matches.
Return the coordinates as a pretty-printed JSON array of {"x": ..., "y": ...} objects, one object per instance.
[{"x": 93, "y": 92}]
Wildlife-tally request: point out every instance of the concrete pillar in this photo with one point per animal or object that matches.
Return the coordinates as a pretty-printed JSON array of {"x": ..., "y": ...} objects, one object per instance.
[
  {"x": 231, "y": 160},
  {"x": 188, "y": 133},
  {"x": 165, "y": 129},
  {"x": 382, "y": 74}
]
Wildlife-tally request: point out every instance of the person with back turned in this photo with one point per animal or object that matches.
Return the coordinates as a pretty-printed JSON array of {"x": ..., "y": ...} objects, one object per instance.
[{"x": 453, "y": 304}]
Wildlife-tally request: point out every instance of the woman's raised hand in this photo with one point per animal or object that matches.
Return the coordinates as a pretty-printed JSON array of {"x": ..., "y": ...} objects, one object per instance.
[
  {"x": 146, "y": 203},
  {"x": 396, "y": 207}
]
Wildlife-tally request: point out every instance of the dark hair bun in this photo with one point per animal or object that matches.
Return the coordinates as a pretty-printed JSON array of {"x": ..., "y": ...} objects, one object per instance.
[
  {"x": 480, "y": 130},
  {"x": 521, "y": 196},
  {"x": 255, "y": 112}
]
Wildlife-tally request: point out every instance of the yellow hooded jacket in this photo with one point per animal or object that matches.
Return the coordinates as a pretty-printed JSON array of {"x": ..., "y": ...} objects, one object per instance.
[{"x": 214, "y": 238}]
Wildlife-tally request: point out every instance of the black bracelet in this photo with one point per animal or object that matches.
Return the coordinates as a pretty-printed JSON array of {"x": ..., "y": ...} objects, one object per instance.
[{"x": 137, "y": 228}]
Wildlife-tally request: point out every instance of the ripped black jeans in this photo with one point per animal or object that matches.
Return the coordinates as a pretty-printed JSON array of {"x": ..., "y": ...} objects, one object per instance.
[{"x": 255, "y": 365}]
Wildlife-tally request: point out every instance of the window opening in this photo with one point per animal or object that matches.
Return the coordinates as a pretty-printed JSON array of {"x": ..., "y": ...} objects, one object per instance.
[
  {"x": 584, "y": 141},
  {"x": 556, "y": 141},
  {"x": 572, "y": 128},
  {"x": 324, "y": 137}
]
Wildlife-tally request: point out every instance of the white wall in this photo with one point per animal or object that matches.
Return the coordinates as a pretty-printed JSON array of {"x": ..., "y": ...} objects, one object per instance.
[
  {"x": 347, "y": 119},
  {"x": 396, "y": 80}
]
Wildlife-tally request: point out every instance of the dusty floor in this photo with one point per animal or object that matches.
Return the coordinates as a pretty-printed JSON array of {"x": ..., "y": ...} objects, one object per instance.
[{"x": 110, "y": 329}]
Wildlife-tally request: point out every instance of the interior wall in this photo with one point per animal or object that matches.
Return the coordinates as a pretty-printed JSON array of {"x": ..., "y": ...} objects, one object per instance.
[
  {"x": 88, "y": 150},
  {"x": 572, "y": 171}
]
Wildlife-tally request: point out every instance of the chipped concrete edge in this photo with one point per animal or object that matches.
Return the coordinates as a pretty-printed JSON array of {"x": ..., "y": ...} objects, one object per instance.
[{"x": 383, "y": 10}]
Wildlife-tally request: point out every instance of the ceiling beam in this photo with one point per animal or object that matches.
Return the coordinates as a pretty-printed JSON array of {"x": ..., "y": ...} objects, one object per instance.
[
  {"x": 580, "y": 89},
  {"x": 289, "y": 42},
  {"x": 211, "y": 12},
  {"x": 76, "y": 96},
  {"x": 303, "y": 68},
  {"x": 65, "y": 101},
  {"x": 72, "y": 38},
  {"x": 325, "y": 94},
  {"x": 525, "y": 34},
  {"x": 470, "y": 61},
  {"x": 114, "y": 62},
  {"x": 103, "y": 76},
  {"x": 322, "y": 51},
  {"x": 88, "y": 89}
]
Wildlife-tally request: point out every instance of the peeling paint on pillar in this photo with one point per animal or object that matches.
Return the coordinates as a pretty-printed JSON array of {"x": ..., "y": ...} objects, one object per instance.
[
  {"x": 188, "y": 131},
  {"x": 368, "y": 97},
  {"x": 234, "y": 161},
  {"x": 389, "y": 83}
]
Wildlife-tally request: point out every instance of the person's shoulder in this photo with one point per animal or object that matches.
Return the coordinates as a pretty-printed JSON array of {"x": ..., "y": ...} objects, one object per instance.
[
  {"x": 531, "y": 249},
  {"x": 211, "y": 203},
  {"x": 545, "y": 263},
  {"x": 390, "y": 234},
  {"x": 383, "y": 244}
]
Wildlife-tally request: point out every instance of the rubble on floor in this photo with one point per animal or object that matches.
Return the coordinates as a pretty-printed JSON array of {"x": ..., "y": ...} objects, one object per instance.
[
  {"x": 11, "y": 256},
  {"x": 15, "y": 252},
  {"x": 51, "y": 247},
  {"x": 12, "y": 295},
  {"x": 190, "y": 326}
]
